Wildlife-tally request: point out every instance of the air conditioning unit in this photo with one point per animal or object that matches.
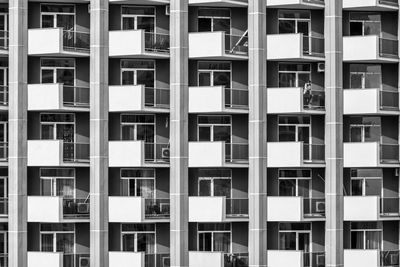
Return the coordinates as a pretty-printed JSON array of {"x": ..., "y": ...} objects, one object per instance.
[
  {"x": 321, "y": 67},
  {"x": 320, "y": 260},
  {"x": 83, "y": 208},
  {"x": 165, "y": 152},
  {"x": 394, "y": 259},
  {"x": 164, "y": 208},
  {"x": 166, "y": 261},
  {"x": 84, "y": 262},
  {"x": 167, "y": 10},
  {"x": 320, "y": 206}
]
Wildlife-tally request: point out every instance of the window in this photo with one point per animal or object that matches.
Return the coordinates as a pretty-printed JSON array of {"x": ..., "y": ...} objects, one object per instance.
[
  {"x": 364, "y": 76},
  {"x": 57, "y": 126},
  {"x": 215, "y": 183},
  {"x": 366, "y": 235},
  {"x": 368, "y": 130},
  {"x": 294, "y": 129},
  {"x": 294, "y": 75},
  {"x": 57, "y": 237},
  {"x": 365, "y": 23},
  {"x": 138, "y": 183},
  {"x": 57, "y": 182},
  {"x": 214, "y": 128},
  {"x": 58, "y": 16},
  {"x": 3, "y": 29},
  {"x": 295, "y": 236},
  {"x": 214, "y": 237},
  {"x": 58, "y": 71},
  {"x": 138, "y": 127},
  {"x": 295, "y": 183},
  {"x": 138, "y": 18},
  {"x": 214, "y": 19},
  {"x": 366, "y": 182},
  {"x": 294, "y": 22},
  {"x": 214, "y": 74},
  {"x": 138, "y": 72},
  {"x": 138, "y": 238}
]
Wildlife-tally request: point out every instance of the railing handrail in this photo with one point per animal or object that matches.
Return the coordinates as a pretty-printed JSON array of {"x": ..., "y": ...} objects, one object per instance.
[{"x": 72, "y": 31}]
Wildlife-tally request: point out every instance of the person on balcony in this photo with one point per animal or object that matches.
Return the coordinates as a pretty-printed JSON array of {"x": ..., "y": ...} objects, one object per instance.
[{"x": 307, "y": 96}]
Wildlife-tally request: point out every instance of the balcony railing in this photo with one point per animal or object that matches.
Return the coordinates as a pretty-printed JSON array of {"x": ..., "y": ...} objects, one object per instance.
[
  {"x": 235, "y": 152},
  {"x": 3, "y": 95},
  {"x": 388, "y": 47},
  {"x": 236, "y": 98},
  {"x": 236, "y": 260},
  {"x": 314, "y": 259},
  {"x": 389, "y": 2},
  {"x": 156, "y": 97},
  {"x": 313, "y": 46},
  {"x": 156, "y": 42},
  {"x": 156, "y": 152},
  {"x": 314, "y": 207},
  {"x": 157, "y": 208},
  {"x": 314, "y": 101},
  {"x": 389, "y": 153},
  {"x": 3, "y": 151},
  {"x": 76, "y": 152},
  {"x": 75, "y": 260},
  {"x": 157, "y": 260},
  {"x": 389, "y": 206},
  {"x": 76, "y": 96},
  {"x": 3, "y": 207},
  {"x": 389, "y": 258},
  {"x": 4, "y": 40},
  {"x": 237, "y": 207},
  {"x": 236, "y": 44},
  {"x": 389, "y": 100},
  {"x": 3, "y": 260},
  {"x": 76, "y": 41},
  {"x": 315, "y": 1},
  {"x": 314, "y": 152},
  {"x": 76, "y": 208}
]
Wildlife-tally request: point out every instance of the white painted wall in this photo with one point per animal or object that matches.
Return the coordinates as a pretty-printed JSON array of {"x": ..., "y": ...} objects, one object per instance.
[
  {"x": 285, "y": 258},
  {"x": 361, "y": 101},
  {"x": 45, "y": 96},
  {"x": 126, "y": 98},
  {"x": 45, "y": 209},
  {"x": 126, "y": 153},
  {"x": 126, "y": 259},
  {"x": 361, "y": 154},
  {"x": 206, "y": 154},
  {"x": 360, "y": 47},
  {"x": 284, "y": 46},
  {"x": 200, "y": 209},
  {"x": 225, "y": 3},
  {"x": 359, "y": 3},
  {"x": 45, "y": 41},
  {"x": 284, "y": 100},
  {"x": 361, "y": 258},
  {"x": 285, "y": 154},
  {"x": 288, "y": 209},
  {"x": 206, "y": 258},
  {"x": 126, "y": 43},
  {"x": 361, "y": 208},
  {"x": 45, "y": 259},
  {"x": 45, "y": 153},
  {"x": 206, "y": 44},
  {"x": 206, "y": 99},
  {"x": 125, "y": 209}
]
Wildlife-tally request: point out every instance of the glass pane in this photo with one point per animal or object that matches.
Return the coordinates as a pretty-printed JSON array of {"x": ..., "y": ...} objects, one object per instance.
[
  {"x": 205, "y": 79},
  {"x": 145, "y": 23},
  {"x": 304, "y": 242},
  {"x": 128, "y": 242},
  {"x": 204, "y": 133},
  {"x": 357, "y": 240},
  {"x": 222, "y": 78},
  {"x": 222, "y": 25},
  {"x": 145, "y": 188},
  {"x": 304, "y": 134},
  {"x": 47, "y": 21},
  {"x": 65, "y": 188},
  {"x": 222, "y": 187},
  {"x": 65, "y": 242},
  {"x": 128, "y": 132},
  {"x": 373, "y": 187},
  {"x": 65, "y": 21},
  {"x": 372, "y": 133},
  {"x": 287, "y": 188},
  {"x": 356, "y": 81},
  {"x": 205, "y": 187},
  {"x": 355, "y": 134},
  {"x": 287, "y": 80},
  {"x": 356, "y": 28},
  {"x": 205, "y": 242},
  {"x": 145, "y": 77},
  {"x": 126, "y": 189},
  {"x": 372, "y": 28},
  {"x": 146, "y": 243},
  {"x": 373, "y": 239},
  {"x": 222, "y": 242},
  {"x": 287, "y": 26},
  {"x": 47, "y": 132},
  {"x": 222, "y": 133},
  {"x": 47, "y": 242},
  {"x": 303, "y": 79},
  {"x": 287, "y": 241},
  {"x": 304, "y": 188},
  {"x": 204, "y": 25},
  {"x": 47, "y": 76},
  {"x": 65, "y": 132},
  {"x": 128, "y": 23},
  {"x": 287, "y": 133},
  {"x": 356, "y": 187},
  {"x": 303, "y": 27},
  {"x": 145, "y": 133},
  {"x": 128, "y": 77},
  {"x": 66, "y": 76}
]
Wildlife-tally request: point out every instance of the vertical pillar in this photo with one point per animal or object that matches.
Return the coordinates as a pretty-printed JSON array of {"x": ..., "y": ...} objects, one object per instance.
[
  {"x": 257, "y": 134},
  {"x": 179, "y": 99},
  {"x": 334, "y": 132},
  {"x": 99, "y": 133},
  {"x": 18, "y": 99}
]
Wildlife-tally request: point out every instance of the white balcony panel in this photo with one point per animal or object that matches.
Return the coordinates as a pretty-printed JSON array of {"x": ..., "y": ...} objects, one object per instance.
[
  {"x": 222, "y": 3},
  {"x": 206, "y": 258},
  {"x": 361, "y": 258},
  {"x": 126, "y": 209},
  {"x": 198, "y": 211},
  {"x": 367, "y": 5},
  {"x": 285, "y": 258},
  {"x": 361, "y": 208},
  {"x": 126, "y": 153},
  {"x": 284, "y": 46},
  {"x": 285, "y": 154},
  {"x": 361, "y": 154},
  {"x": 45, "y": 41},
  {"x": 126, "y": 98},
  {"x": 287, "y": 209},
  {"x": 361, "y": 101},
  {"x": 203, "y": 99},
  {"x": 45, "y": 209},
  {"x": 294, "y": 4},
  {"x": 141, "y": 2},
  {"x": 46, "y": 96},
  {"x": 126, "y": 259},
  {"x": 284, "y": 100},
  {"x": 206, "y": 154},
  {"x": 45, "y": 152},
  {"x": 45, "y": 259},
  {"x": 126, "y": 43},
  {"x": 363, "y": 48}
]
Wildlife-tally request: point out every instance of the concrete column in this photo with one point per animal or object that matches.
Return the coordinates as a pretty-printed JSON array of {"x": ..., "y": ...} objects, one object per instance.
[
  {"x": 179, "y": 99},
  {"x": 99, "y": 133},
  {"x": 257, "y": 134},
  {"x": 18, "y": 99},
  {"x": 334, "y": 132}
]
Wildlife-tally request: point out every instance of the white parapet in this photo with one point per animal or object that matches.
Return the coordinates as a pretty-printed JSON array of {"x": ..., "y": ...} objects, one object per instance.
[
  {"x": 206, "y": 258},
  {"x": 364, "y": 154},
  {"x": 285, "y": 209},
  {"x": 206, "y": 154},
  {"x": 126, "y": 259},
  {"x": 285, "y": 154},
  {"x": 126, "y": 153},
  {"x": 126, "y": 209},
  {"x": 361, "y": 208},
  {"x": 45, "y": 259},
  {"x": 285, "y": 258},
  {"x": 45, "y": 209},
  {"x": 361, "y": 258},
  {"x": 198, "y": 212},
  {"x": 45, "y": 152}
]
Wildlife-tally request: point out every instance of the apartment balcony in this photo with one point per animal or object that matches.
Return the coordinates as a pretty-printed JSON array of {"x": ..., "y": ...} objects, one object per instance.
[
  {"x": 295, "y": 258},
  {"x": 57, "y": 153},
  {"x": 296, "y": 4},
  {"x": 370, "y": 154},
  {"x": 370, "y": 258},
  {"x": 294, "y": 154},
  {"x": 3, "y": 153},
  {"x": 371, "y": 5},
  {"x": 138, "y": 44},
  {"x": 137, "y": 259},
  {"x": 292, "y": 100},
  {"x": 126, "y": 209},
  {"x": 138, "y": 98},
  {"x": 295, "y": 47},
  {"x": 217, "y": 259},
  {"x": 295, "y": 209},
  {"x": 57, "y": 209},
  {"x": 219, "y": 45},
  {"x": 370, "y": 101},
  {"x": 219, "y": 3},
  {"x": 4, "y": 43},
  {"x": 3, "y": 213},
  {"x": 370, "y": 208},
  {"x": 141, "y": 2},
  {"x": 4, "y": 97},
  {"x": 56, "y": 259},
  {"x": 224, "y": 209},
  {"x": 58, "y": 42},
  {"x": 218, "y": 154},
  {"x": 370, "y": 48},
  {"x": 58, "y": 97},
  {"x": 218, "y": 99},
  {"x": 138, "y": 154}
]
